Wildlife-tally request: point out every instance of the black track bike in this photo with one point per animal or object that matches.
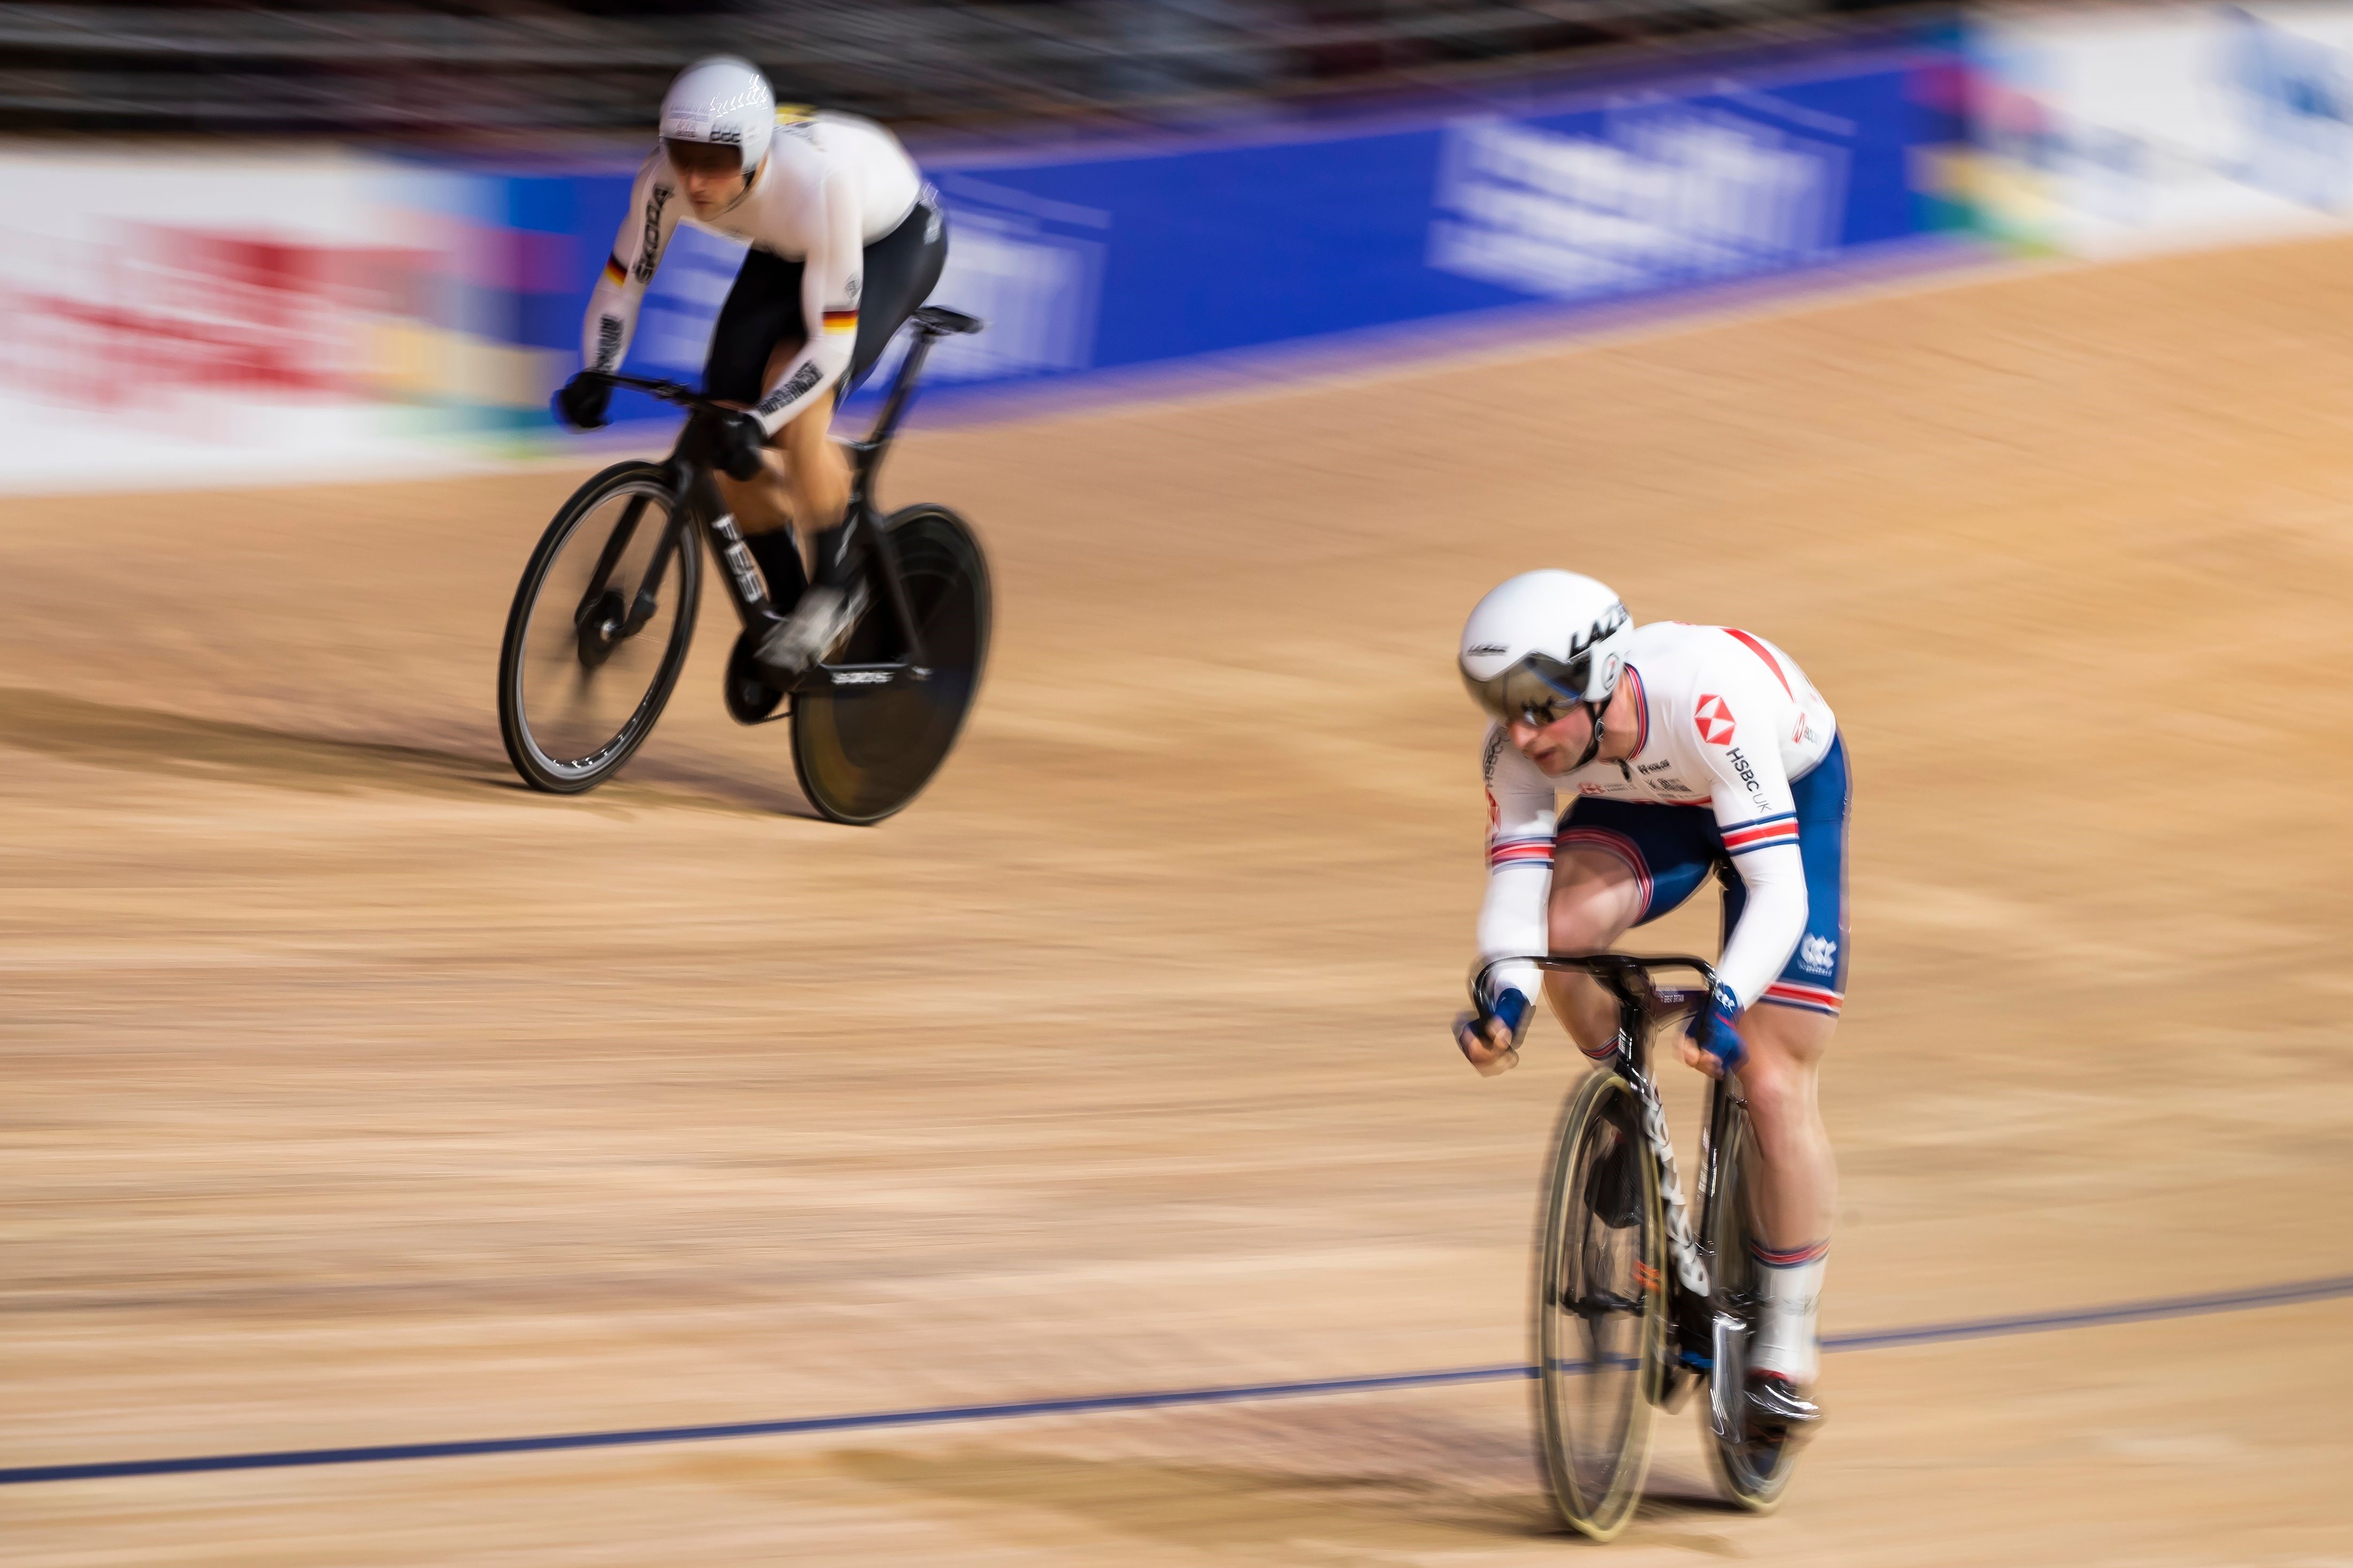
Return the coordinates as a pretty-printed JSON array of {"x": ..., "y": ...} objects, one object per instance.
[
  {"x": 1633, "y": 1307},
  {"x": 605, "y": 613}
]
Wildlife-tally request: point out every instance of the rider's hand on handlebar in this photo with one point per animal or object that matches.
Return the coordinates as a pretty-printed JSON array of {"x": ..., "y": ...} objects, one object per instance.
[
  {"x": 582, "y": 401},
  {"x": 1726, "y": 1050},
  {"x": 1489, "y": 1040},
  {"x": 741, "y": 441}
]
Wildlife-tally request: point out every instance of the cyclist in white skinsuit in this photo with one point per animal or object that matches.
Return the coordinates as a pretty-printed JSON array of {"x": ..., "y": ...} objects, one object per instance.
[
  {"x": 1687, "y": 751},
  {"x": 847, "y": 241}
]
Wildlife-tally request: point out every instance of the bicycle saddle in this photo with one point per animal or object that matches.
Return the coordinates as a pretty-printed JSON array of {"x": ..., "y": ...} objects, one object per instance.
[{"x": 944, "y": 323}]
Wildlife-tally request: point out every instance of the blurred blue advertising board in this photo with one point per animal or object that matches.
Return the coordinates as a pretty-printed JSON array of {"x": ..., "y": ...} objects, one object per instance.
[
  {"x": 270, "y": 315},
  {"x": 1134, "y": 258}
]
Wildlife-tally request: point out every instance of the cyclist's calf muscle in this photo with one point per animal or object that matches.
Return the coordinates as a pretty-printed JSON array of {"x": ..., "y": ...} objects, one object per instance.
[
  {"x": 816, "y": 470},
  {"x": 1798, "y": 1175}
]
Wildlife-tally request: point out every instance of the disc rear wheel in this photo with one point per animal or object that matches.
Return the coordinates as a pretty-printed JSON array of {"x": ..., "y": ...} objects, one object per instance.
[
  {"x": 1601, "y": 1308},
  {"x": 863, "y": 752}
]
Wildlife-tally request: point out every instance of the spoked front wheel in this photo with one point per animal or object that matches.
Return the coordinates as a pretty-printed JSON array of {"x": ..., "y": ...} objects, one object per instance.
[
  {"x": 1753, "y": 1471},
  {"x": 599, "y": 630},
  {"x": 1600, "y": 1329},
  {"x": 862, "y": 753}
]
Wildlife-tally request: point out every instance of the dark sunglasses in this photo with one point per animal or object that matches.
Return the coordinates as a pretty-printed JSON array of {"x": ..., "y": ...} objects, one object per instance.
[
  {"x": 1540, "y": 689},
  {"x": 703, "y": 157}
]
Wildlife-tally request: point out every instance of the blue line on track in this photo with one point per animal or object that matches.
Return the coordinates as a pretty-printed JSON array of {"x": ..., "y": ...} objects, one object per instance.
[{"x": 1082, "y": 1405}]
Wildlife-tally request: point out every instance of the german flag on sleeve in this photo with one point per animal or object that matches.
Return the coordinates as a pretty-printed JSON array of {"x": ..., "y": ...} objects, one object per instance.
[
  {"x": 842, "y": 321},
  {"x": 615, "y": 273}
]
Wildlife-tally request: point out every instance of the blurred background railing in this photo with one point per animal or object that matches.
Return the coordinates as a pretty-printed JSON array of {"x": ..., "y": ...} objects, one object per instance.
[{"x": 435, "y": 73}]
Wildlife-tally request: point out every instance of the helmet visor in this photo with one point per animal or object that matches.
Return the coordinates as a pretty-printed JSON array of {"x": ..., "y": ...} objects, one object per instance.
[
  {"x": 703, "y": 157},
  {"x": 1540, "y": 689}
]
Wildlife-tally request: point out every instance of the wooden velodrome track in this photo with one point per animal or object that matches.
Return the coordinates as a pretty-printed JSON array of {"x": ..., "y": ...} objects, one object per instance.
[{"x": 356, "y": 1096}]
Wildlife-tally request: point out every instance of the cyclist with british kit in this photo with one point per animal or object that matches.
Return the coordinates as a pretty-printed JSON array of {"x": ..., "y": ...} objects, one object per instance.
[
  {"x": 847, "y": 240},
  {"x": 1684, "y": 752}
]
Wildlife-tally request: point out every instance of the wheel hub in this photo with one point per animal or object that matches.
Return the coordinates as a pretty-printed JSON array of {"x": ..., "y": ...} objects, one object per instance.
[{"x": 602, "y": 628}]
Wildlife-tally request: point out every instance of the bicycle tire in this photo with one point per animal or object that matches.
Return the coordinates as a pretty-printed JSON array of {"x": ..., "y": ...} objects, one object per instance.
[
  {"x": 863, "y": 755},
  {"x": 533, "y": 748},
  {"x": 1753, "y": 1474},
  {"x": 1593, "y": 1390}
]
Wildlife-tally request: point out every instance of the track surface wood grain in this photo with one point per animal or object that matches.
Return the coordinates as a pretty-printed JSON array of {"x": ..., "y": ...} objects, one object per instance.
[{"x": 357, "y": 1095}]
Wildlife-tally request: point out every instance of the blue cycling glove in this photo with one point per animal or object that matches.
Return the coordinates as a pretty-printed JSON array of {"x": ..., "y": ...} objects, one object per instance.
[
  {"x": 1512, "y": 1007},
  {"x": 1723, "y": 1041}
]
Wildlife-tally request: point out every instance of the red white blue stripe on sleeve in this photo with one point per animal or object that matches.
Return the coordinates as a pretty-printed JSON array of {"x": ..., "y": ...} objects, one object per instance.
[
  {"x": 1761, "y": 834},
  {"x": 1503, "y": 852}
]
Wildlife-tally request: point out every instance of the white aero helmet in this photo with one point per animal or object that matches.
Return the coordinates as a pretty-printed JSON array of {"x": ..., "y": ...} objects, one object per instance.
[
  {"x": 723, "y": 102},
  {"x": 1542, "y": 642}
]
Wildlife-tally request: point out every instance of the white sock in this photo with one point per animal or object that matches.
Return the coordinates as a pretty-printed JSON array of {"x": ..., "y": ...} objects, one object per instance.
[{"x": 1792, "y": 1282}]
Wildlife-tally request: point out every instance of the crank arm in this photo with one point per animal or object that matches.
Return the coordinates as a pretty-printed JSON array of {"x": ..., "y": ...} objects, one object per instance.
[{"x": 1723, "y": 1397}]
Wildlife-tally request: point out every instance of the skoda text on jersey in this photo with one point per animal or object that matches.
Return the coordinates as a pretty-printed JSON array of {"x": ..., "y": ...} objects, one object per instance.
[{"x": 832, "y": 185}]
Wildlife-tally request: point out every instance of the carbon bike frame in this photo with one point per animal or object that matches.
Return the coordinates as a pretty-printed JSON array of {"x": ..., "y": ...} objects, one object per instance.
[
  {"x": 687, "y": 473},
  {"x": 1701, "y": 1324}
]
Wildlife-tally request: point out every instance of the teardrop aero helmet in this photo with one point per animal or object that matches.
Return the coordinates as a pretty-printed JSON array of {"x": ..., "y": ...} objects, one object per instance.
[
  {"x": 1544, "y": 643},
  {"x": 721, "y": 101}
]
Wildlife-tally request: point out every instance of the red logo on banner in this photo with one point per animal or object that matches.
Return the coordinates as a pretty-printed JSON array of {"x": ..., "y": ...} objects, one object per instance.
[
  {"x": 236, "y": 313},
  {"x": 1715, "y": 720}
]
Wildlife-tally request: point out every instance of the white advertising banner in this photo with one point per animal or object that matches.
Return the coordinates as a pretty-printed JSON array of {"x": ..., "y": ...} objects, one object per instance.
[
  {"x": 2108, "y": 133},
  {"x": 175, "y": 319}
]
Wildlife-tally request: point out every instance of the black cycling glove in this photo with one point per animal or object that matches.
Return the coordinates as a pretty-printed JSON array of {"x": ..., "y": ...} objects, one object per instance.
[
  {"x": 582, "y": 401},
  {"x": 741, "y": 437}
]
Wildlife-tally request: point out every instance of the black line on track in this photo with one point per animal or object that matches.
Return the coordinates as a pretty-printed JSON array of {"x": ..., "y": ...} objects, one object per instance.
[{"x": 2279, "y": 1295}]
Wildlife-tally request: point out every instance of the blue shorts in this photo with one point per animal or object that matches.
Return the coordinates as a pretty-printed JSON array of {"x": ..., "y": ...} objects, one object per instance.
[{"x": 1672, "y": 849}]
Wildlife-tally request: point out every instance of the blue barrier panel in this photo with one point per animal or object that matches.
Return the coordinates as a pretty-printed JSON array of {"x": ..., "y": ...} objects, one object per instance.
[
  {"x": 1127, "y": 258},
  {"x": 1232, "y": 248}
]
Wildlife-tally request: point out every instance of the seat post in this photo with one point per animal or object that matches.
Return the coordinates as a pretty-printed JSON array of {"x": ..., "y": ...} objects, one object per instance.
[{"x": 903, "y": 388}]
